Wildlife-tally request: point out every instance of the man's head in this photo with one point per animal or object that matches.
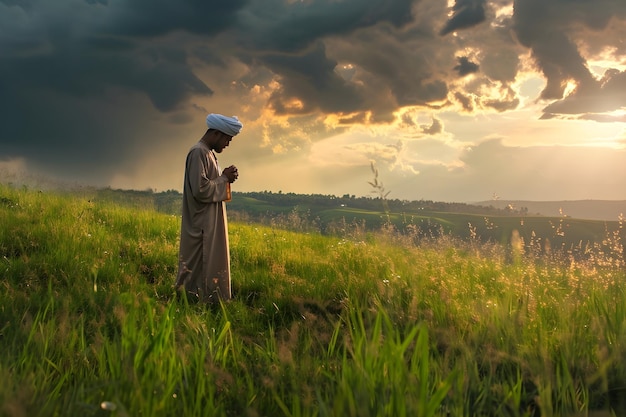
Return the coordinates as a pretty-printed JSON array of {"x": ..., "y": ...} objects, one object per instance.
[{"x": 221, "y": 131}]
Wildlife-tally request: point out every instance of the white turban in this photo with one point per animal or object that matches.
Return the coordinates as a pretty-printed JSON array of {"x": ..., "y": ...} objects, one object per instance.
[{"x": 229, "y": 125}]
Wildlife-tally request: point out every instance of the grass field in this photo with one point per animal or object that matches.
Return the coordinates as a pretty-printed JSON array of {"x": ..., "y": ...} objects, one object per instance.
[{"x": 361, "y": 324}]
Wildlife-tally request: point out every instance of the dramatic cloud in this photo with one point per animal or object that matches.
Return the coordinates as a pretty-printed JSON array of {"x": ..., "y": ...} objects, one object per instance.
[
  {"x": 273, "y": 25},
  {"x": 556, "y": 33},
  {"x": 309, "y": 83},
  {"x": 604, "y": 95},
  {"x": 113, "y": 92}
]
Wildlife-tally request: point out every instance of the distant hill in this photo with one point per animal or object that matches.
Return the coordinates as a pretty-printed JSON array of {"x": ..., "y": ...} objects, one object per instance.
[{"x": 609, "y": 210}]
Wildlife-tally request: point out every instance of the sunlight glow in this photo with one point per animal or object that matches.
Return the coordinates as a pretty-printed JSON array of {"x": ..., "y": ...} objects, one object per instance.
[
  {"x": 337, "y": 120},
  {"x": 503, "y": 14},
  {"x": 451, "y": 4},
  {"x": 279, "y": 149},
  {"x": 504, "y": 11},
  {"x": 569, "y": 88},
  {"x": 617, "y": 113},
  {"x": 605, "y": 60},
  {"x": 470, "y": 52},
  {"x": 294, "y": 104}
]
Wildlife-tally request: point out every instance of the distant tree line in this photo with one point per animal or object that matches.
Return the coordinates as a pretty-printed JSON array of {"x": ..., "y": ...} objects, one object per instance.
[
  {"x": 374, "y": 203},
  {"x": 170, "y": 201}
]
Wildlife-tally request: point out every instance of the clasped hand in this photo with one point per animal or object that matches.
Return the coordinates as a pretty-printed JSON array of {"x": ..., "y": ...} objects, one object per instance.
[{"x": 231, "y": 173}]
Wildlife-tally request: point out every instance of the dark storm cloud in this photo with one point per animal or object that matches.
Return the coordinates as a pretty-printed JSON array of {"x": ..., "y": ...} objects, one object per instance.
[
  {"x": 157, "y": 17},
  {"x": 311, "y": 79},
  {"x": 553, "y": 30},
  {"x": 293, "y": 43},
  {"x": 45, "y": 96},
  {"x": 84, "y": 84},
  {"x": 72, "y": 70},
  {"x": 122, "y": 45},
  {"x": 83, "y": 50},
  {"x": 354, "y": 56},
  {"x": 72, "y": 75},
  {"x": 393, "y": 69},
  {"x": 465, "y": 66},
  {"x": 466, "y": 13},
  {"x": 606, "y": 95},
  {"x": 270, "y": 25}
]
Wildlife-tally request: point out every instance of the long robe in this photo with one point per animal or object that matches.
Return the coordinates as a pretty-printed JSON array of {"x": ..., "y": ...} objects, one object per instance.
[{"x": 204, "y": 256}]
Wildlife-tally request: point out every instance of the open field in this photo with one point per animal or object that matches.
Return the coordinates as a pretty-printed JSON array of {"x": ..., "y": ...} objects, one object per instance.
[
  {"x": 362, "y": 323},
  {"x": 329, "y": 214}
]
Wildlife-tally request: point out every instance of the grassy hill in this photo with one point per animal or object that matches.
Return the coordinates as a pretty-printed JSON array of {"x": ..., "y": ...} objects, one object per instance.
[
  {"x": 370, "y": 323},
  {"x": 334, "y": 215}
]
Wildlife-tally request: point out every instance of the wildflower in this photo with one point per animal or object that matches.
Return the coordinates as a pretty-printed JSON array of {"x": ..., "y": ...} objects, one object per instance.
[{"x": 108, "y": 406}]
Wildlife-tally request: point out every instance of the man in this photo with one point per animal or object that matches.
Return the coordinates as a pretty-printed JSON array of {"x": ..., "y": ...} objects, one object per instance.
[{"x": 204, "y": 257}]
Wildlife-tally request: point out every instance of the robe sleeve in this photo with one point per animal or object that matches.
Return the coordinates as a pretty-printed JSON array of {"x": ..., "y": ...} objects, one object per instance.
[{"x": 200, "y": 169}]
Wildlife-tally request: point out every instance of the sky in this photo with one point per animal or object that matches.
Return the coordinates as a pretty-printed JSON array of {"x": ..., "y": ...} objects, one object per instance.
[{"x": 457, "y": 101}]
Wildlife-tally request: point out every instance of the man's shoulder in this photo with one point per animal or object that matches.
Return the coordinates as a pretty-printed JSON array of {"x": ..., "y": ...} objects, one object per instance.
[{"x": 199, "y": 147}]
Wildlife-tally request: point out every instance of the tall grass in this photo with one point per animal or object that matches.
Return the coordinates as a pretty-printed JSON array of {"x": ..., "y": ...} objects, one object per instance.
[{"x": 368, "y": 324}]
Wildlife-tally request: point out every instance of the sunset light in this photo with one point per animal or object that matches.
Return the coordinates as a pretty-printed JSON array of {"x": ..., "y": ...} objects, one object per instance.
[
  {"x": 112, "y": 94},
  {"x": 313, "y": 208}
]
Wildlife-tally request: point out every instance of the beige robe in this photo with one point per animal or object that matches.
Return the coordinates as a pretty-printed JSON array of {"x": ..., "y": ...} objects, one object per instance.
[{"x": 204, "y": 257}]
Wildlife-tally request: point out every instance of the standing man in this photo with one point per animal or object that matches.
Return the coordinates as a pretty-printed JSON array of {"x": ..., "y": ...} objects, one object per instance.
[{"x": 204, "y": 257}]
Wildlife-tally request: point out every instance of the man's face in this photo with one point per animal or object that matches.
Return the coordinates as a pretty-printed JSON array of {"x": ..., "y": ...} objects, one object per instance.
[{"x": 222, "y": 142}]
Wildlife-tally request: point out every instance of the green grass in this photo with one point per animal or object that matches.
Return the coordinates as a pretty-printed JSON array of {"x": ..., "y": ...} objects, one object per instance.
[{"x": 371, "y": 324}]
